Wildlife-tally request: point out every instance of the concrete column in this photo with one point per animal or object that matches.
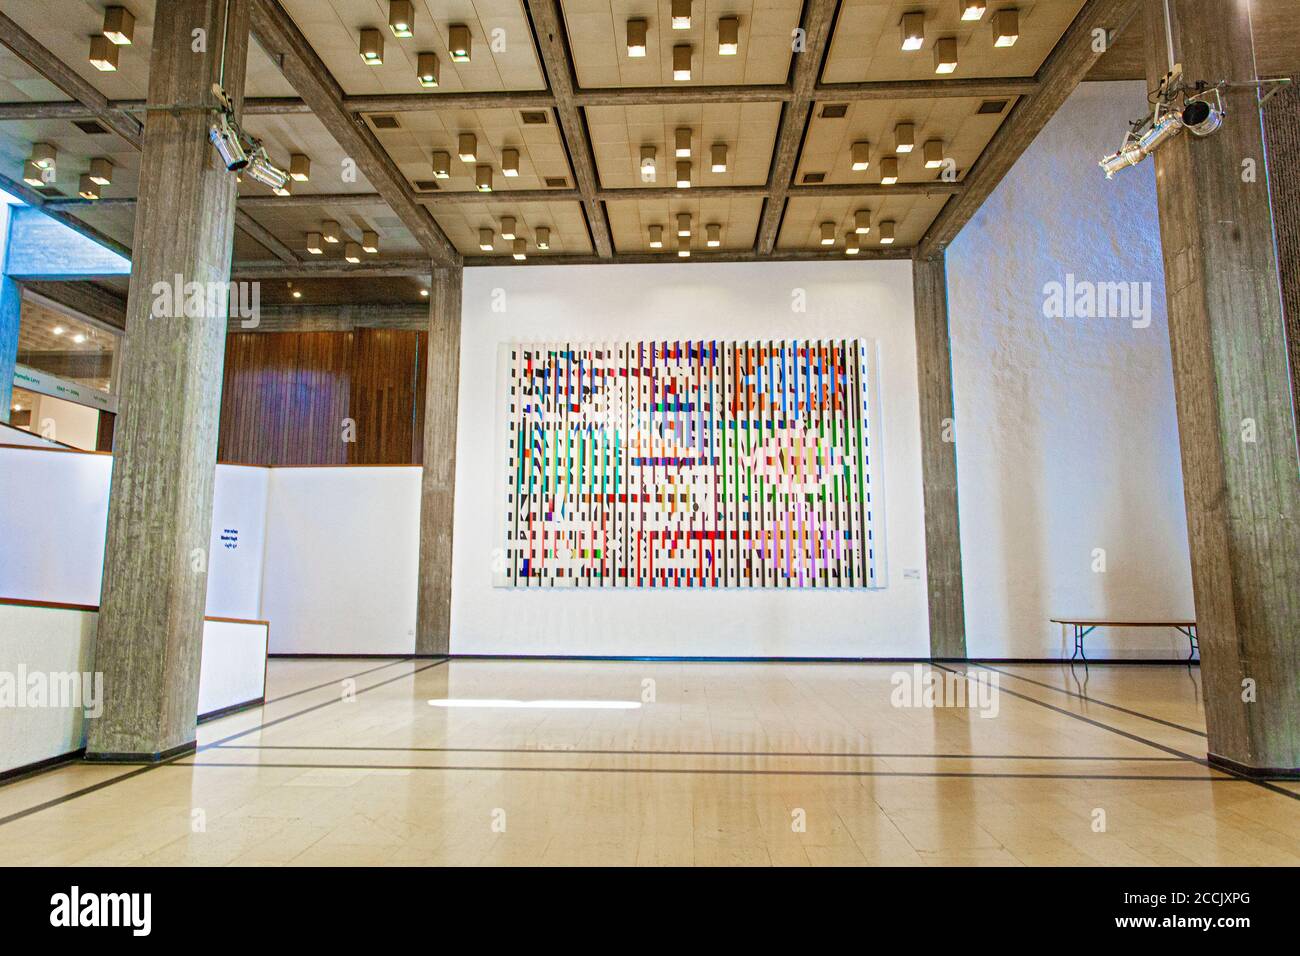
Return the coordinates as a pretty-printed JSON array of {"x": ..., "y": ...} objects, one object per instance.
[
  {"x": 938, "y": 459},
  {"x": 160, "y": 501},
  {"x": 1236, "y": 421},
  {"x": 438, "y": 485}
]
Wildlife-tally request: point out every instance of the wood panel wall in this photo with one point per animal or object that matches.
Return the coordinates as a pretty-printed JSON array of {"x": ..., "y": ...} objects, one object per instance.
[{"x": 287, "y": 397}]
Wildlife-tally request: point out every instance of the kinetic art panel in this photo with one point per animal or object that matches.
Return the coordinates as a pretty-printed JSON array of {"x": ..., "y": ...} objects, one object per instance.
[{"x": 690, "y": 465}]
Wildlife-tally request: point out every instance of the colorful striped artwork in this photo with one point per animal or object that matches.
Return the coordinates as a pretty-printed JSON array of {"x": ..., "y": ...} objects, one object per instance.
[{"x": 690, "y": 465}]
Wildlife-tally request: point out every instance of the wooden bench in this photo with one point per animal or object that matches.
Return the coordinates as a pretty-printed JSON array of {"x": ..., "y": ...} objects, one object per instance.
[{"x": 1083, "y": 626}]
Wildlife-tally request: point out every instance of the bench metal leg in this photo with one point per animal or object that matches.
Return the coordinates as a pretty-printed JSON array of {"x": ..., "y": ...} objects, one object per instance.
[
  {"x": 1193, "y": 643},
  {"x": 1080, "y": 632}
]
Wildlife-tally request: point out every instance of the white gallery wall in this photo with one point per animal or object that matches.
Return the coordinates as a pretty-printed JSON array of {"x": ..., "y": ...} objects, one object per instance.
[
  {"x": 1067, "y": 437},
  {"x": 683, "y": 301}
]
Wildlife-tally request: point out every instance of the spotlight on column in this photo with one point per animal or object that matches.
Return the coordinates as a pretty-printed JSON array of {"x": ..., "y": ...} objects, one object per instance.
[
  {"x": 1201, "y": 117},
  {"x": 229, "y": 145},
  {"x": 262, "y": 170},
  {"x": 1143, "y": 138}
]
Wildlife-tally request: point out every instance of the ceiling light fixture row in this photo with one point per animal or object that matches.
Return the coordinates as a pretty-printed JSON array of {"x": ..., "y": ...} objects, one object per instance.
[
  {"x": 401, "y": 22},
  {"x": 728, "y": 37},
  {"x": 330, "y": 234},
  {"x": 518, "y": 243},
  {"x": 1005, "y": 24}
]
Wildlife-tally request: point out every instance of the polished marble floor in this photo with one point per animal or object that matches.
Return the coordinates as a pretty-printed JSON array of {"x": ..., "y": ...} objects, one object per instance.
[{"x": 532, "y": 762}]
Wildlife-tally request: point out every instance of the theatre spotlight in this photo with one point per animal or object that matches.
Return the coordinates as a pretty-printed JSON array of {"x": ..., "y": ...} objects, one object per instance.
[
  {"x": 1201, "y": 117},
  {"x": 261, "y": 169},
  {"x": 225, "y": 137}
]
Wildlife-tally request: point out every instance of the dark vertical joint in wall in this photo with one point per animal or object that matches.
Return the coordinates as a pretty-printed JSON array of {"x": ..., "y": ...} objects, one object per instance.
[
  {"x": 938, "y": 459},
  {"x": 1282, "y": 139}
]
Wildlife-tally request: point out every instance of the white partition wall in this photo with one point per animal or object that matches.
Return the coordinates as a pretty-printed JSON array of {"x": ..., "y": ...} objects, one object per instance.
[
  {"x": 48, "y": 687},
  {"x": 688, "y": 302},
  {"x": 341, "y": 551},
  {"x": 238, "y": 541}
]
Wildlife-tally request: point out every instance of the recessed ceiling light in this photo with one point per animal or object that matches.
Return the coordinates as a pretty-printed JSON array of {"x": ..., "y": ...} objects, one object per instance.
[
  {"x": 713, "y": 235},
  {"x": 87, "y": 188},
  {"x": 656, "y": 237},
  {"x": 315, "y": 245},
  {"x": 683, "y": 224},
  {"x": 426, "y": 69},
  {"x": 683, "y": 247},
  {"x": 1006, "y": 27},
  {"x": 352, "y": 253},
  {"x": 945, "y": 55},
  {"x": 542, "y": 236},
  {"x": 297, "y": 293},
  {"x": 424, "y": 292},
  {"x": 508, "y": 228},
  {"x": 510, "y": 163},
  {"x": 520, "y": 250},
  {"x": 913, "y": 29},
  {"x": 103, "y": 53},
  {"x": 636, "y": 38},
  {"x": 647, "y": 164},
  {"x": 887, "y": 232},
  {"x": 57, "y": 330},
  {"x": 486, "y": 239},
  {"x": 718, "y": 158},
  {"x": 889, "y": 171},
  {"x": 933, "y": 153},
  {"x": 904, "y": 137},
  {"x": 458, "y": 43},
  {"x": 728, "y": 36},
  {"x": 79, "y": 338},
  {"x": 483, "y": 178},
  {"x": 971, "y": 9},
  {"x": 851, "y": 244},
  {"x": 119, "y": 26},
  {"x": 370, "y": 241},
  {"x": 862, "y": 221},
  {"x": 372, "y": 47},
  {"x": 101, "y": 171},
  {"x": 33, "y": 175},
  {"x": 683, "y": 174},
  {"x": 682, "y": 142},
  {"x": 43, "y": 156},
  {"x": 681, "y": 13},
  {"x": 468, "y": 148},
  {"x": 441, "y": 162},
  {"x": 860, "y": 156},
  {"x": 828, "y": 234},
  {"x": 401, "y": 18},
  {"x": 299, "y": 168},
  {"x": 329, "y": 230},
  {"x": 681, "y": 62}
]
